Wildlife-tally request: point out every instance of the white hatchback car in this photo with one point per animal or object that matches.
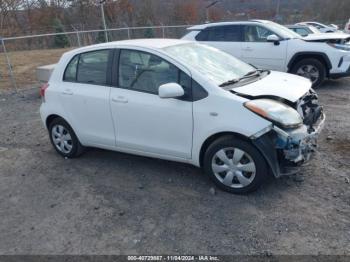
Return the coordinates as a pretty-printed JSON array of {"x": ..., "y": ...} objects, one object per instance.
[{"x": 186, "y": 102}]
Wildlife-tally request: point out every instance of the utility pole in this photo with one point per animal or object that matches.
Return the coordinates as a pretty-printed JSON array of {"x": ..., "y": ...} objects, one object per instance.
[
  {"x": 207, "y": 10},
  {"x": 278, "y": 9},
  {"x": 103, "y": 19}
]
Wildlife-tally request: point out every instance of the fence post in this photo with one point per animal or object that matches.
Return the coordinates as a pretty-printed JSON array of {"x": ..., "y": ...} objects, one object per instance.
[
  {"x": 78, "y": 37},
  {"x": 163, "y": 30},
  {"x": 9, "y": 65}
]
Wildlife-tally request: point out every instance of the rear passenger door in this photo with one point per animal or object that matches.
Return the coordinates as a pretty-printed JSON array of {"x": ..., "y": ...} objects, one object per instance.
[
  {"x": 226, "y": 38},
  {"x": 85, "y": 97},
  {"x": 260, "y": 53}
]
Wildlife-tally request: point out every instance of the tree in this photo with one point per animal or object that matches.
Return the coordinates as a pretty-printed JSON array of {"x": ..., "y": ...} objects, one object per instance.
[
  {"x": 60, "y": 41},
  {"x": 149, "y": 33},
  {"x": 101, "y": 37}
]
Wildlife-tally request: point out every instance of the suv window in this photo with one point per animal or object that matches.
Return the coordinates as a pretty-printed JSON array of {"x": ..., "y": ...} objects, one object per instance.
[
  {"x": 255, "y": 33},
  {"x": 301, "y": 31},
  {"x": 231, "y": 33},
  {"x": 318, "y": 26},
  {"x": 145, "y": 72}
]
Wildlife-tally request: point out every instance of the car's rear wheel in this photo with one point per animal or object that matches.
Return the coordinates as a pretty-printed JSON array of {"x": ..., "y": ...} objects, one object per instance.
[
  {"x": 235, "y": 165},
  {"x": 64, "y": 139},
  {"x": 312, "y": 69}
]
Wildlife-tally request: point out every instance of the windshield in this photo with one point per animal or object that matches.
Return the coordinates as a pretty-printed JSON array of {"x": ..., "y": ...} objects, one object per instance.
[
  {"x": 215, "y": 64},
  {"x": 282, "y": 31}
]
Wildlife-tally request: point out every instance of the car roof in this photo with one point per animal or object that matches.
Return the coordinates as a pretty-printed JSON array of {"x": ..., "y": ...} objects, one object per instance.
[
  {"x": 309, "y": 22},
  {"x": 208, "y": 25},
  {"x": 154, "y": 43}
]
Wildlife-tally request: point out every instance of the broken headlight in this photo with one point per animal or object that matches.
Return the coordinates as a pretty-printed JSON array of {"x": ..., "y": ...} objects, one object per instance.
[{"x": 277, "y": 112}]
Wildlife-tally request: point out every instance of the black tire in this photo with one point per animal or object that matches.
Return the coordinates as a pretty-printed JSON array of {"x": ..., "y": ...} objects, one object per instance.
[
  {"x": 317, "y": 64},
  {"x": 261, "y": 168},
  {"x": 76, "y": 147}
]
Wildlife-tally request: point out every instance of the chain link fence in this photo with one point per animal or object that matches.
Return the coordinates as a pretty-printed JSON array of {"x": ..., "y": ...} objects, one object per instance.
[{"x": 20, "y": 56}]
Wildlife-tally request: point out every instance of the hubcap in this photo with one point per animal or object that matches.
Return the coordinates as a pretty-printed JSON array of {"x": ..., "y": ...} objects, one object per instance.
[
  {"x": 233, "y": 167},
  {"x": 62, "y": 139},
  {"x": 310, "y": 72}
]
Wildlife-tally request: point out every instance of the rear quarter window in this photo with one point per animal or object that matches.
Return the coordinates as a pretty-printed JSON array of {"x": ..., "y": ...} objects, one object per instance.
[{"x": 227, "y": 33}]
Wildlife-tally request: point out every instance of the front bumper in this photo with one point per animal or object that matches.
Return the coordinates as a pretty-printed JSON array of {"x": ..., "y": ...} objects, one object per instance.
[
  {"x": 286, "y": 150},
  {"x": 298, "y": 145},
  {"x": 340, "y": 75}
]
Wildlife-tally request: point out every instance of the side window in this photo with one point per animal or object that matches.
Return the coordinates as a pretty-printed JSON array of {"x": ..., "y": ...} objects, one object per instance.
[
  {"x": 145, "y": 72},
  {"x": 202, "y": 36},
  {"x": 185, "y": 82},
  {"x": 70, "y": 73},
  {"x": 253, "y": 33},
  {"x": 231, "y": 33},
  {"x": 198, "y": 92},
  {"x": 216, "y": 34},
  {"x": 318, "y": 26},
  {"x": 92, "y": 67},
  {"x": 302, "y": 31}
]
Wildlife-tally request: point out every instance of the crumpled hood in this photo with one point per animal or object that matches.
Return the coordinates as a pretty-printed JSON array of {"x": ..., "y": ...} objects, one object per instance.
[
  {"x": 326, "y": 36},
  {"x": 277, "y": 84}
]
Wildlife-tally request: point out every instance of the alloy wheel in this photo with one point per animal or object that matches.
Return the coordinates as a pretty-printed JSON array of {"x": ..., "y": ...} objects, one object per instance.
[{"x": 309, "y": 71}]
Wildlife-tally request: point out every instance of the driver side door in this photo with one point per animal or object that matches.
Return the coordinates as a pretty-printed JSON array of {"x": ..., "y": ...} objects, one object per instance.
[{"x": 143, "y": 121}]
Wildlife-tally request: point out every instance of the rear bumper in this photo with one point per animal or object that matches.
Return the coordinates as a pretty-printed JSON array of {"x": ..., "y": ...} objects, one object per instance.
[{"x": 285, "y": 151}]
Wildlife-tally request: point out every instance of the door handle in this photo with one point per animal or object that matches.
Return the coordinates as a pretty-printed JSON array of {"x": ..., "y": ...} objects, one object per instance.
[
  {"x": 248, "y": 49},
  {"x": 119, "y": 99},
  {"x": 67, "y": 92}
]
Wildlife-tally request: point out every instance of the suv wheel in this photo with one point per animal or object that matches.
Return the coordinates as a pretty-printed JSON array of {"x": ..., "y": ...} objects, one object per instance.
[
  {"x": 64, "y": 139},
  {"x": 312, "y": 69},
  {"x": 235, "y": 165}
]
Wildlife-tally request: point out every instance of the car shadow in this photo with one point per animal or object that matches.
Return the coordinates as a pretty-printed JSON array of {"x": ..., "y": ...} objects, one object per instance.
[{"x": 157, "y": 173}]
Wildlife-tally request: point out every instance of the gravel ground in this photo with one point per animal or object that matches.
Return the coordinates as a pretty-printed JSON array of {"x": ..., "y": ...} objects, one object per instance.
[{"x": 112, "y": 203}]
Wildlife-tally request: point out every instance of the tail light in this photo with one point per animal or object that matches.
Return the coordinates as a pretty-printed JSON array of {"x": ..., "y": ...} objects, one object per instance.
[{"x": 42, "y": 90}]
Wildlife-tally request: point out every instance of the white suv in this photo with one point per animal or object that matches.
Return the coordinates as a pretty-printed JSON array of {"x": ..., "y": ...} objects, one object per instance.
[
  {"x": 268, "y": 45},
  {"x": 182, "y": 101}
]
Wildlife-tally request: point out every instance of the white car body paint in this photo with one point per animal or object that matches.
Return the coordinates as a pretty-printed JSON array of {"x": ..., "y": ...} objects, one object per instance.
[{"x": 140, "y": 123}]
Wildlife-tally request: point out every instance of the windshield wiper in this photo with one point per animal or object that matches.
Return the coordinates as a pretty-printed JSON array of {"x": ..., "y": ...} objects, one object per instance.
[
  {"x": 230, "y": 82},
  {"x": 250, "y": 74}
]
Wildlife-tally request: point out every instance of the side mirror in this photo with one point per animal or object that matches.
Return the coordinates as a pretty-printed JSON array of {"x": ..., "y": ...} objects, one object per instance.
[
  {"x": 170, "y": 90},
  {"x": 273, "y": 39}
]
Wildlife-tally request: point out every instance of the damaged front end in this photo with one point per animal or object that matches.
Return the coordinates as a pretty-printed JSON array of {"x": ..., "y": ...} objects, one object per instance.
[{"x": 286, "y": 149}]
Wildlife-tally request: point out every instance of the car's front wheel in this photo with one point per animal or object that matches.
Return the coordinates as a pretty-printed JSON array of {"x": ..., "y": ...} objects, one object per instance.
[
  {"x": 235, "y": 165},
  {"x": 64, "y": 139},
  {"x": 312, "y": 69}
]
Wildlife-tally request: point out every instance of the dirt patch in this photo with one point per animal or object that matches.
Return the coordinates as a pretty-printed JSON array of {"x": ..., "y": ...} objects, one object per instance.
[{"x": 24, "y": 64}]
